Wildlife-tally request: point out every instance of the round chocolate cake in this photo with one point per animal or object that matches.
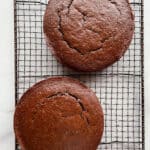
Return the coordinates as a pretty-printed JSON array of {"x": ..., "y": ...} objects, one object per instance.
[
  {"x": 88, "y": 35},
  {"x": 59, "y": 113}
]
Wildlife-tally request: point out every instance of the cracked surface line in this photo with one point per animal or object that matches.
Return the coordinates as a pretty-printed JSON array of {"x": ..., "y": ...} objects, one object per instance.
[
  {"x": 84, "y": 15},
  {"x": 63, "y": 35},
  {"x": 116, "y": 5},
  {"x": 83, "y": 117},
  {"x": 70, "y": 6}
]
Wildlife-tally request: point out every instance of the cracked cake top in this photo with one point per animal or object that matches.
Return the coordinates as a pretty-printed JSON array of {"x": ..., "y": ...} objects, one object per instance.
[
  {"x": 88, "y": 35},
  {"x": 59, "y": 114}
]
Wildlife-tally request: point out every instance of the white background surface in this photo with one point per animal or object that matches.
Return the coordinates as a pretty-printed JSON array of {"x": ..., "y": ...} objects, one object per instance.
[
  {"x": 7, "y": 93},
  {"x": 7, "y": 97}
]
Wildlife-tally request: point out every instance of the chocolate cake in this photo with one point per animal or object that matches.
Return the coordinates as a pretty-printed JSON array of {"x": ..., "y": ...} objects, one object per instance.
[
  {"x": 59, "y": 113},
  {"x": 88, "y": 35}
]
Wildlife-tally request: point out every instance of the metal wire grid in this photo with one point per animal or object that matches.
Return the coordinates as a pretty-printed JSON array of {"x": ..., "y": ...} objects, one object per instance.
[{"x": 119, "y": 87}]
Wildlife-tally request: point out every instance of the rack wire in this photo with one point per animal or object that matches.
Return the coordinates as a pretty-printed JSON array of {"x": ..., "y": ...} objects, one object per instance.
[{"x": 119, "y": 87}]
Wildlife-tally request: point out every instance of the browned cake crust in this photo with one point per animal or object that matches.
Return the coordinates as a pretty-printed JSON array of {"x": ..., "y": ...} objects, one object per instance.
[
  {"x": 88, "y": 35},
  {"x": 59, "y": 114}
]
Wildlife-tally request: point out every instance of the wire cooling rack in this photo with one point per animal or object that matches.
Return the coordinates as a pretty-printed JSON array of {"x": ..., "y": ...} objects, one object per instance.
[{"x": 119, "y": 87}]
